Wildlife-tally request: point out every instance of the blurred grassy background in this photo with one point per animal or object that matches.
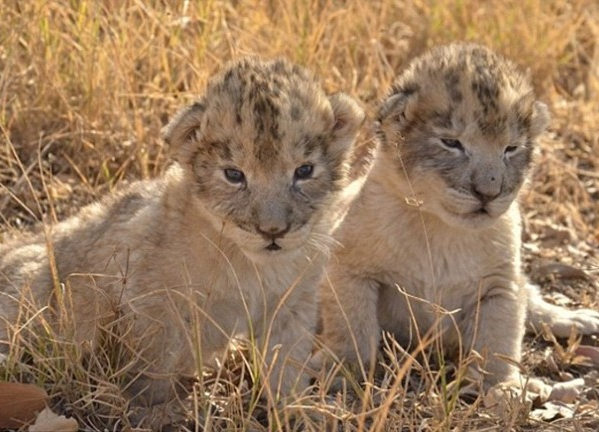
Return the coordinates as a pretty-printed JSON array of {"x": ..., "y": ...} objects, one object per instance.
[{"x": 86, "y": 86}]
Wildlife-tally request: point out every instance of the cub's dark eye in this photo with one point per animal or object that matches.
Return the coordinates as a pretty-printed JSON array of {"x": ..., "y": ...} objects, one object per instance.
[
  {"x": 303, "y": 172},
  {"x": 234, "y": 175},
  {"x": 452, "y": 143},
  {"x": 510, "y": 149}
]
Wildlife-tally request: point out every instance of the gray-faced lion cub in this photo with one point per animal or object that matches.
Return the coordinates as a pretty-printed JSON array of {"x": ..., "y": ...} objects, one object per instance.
[
  {"x": 232, "y": 239},
  {"x": 433, "y": 241}
]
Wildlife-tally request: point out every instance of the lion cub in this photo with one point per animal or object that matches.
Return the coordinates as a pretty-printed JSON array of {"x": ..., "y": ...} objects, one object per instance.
[
  {"x": 231, "y": 240},
  {"x": 432, "y": 245}
]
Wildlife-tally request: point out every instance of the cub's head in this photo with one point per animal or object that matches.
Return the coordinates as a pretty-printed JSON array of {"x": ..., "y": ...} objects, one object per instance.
[
  {"x": 460, "y": 125},
  {"x": 267, "y": 154}
]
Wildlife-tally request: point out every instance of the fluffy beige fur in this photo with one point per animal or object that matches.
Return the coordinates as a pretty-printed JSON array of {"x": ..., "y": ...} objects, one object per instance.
[
  {"x": 231, "y": 241},
  {"x": 432, "y": 245}
]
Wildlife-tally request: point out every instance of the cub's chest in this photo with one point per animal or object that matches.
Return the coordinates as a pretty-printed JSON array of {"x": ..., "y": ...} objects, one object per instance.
[
  {"x": 257, "y": 285},
  {"x": 427, "y": 268},
  {"x": 427, "y": 260}
]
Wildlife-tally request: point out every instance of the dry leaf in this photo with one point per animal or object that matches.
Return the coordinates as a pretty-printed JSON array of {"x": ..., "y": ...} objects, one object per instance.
[
  {"x": 553, "y": 411},
  {"x": 560, "y": 270},
  {"x": 590, "y": 355},
  {"x": 47, "y": 421},
  {"x": 19, "y": 403}
]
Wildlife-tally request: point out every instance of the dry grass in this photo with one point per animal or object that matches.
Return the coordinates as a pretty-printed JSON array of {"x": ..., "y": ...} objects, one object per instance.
[{"x": 85, "y": 88}]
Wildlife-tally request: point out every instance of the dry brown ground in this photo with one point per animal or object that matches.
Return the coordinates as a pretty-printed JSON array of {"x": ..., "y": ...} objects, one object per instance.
[{"x": 86, "y": 86}]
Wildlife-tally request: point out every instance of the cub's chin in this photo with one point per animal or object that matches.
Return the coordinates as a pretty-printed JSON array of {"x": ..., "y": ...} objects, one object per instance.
[
  {"x": 477, "y": 219},
  {"x": 471, "y": 221}
]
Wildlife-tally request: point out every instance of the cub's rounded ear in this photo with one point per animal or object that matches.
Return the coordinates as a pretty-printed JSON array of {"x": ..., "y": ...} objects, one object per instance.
[
  {"x": 540, "y": 118},
  {"x": 183, "y": 129},
  {"x": 394, "y": 115},
  {"x": 398, "y": 108},
  {"x": 349, "y": 116}
]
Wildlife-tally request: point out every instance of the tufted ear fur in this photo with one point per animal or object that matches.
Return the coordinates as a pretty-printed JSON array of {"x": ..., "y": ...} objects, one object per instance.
[
  {"x": 540, "y": 119},
  {"x": 349, "y": 116},
  {"x": 182, "y": 130},
  {"x": 398, "y": 106},
  {"x": 394, "y": 115}
]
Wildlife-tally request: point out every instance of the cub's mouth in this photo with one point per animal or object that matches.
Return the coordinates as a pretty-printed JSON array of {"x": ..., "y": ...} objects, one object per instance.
[
  {"x": 273, "y": 247},
  {"x": 480, "y": 212},
  {"x": 476, "y": 212},
  {"x": 283, "y": 239}
]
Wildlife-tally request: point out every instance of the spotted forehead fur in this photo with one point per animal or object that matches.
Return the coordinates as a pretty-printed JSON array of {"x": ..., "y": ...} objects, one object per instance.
[
  {"x": 467, "y": 84},
  {"x": 265, "y": 107}
]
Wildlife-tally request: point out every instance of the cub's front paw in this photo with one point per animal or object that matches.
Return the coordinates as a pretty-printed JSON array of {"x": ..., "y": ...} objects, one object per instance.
[
  {"x": 167, "y": 416},
  {"x": 326, "y": 368},
  {"x": 522, "y": 393},
  {"x": 320, "y": 360},
  {"x": 333, "y": 374}
]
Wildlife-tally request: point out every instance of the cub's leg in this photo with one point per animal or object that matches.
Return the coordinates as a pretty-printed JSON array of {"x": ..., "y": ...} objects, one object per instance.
[
  {"x": 560, "y": 320},
  {"x": 494, "y": 328},
  {"x": 348, "y": 307},
  {"x": 172, "y": 336},
  {"x": 287, "y": 340},
  {"x": 165, "y": 360}
]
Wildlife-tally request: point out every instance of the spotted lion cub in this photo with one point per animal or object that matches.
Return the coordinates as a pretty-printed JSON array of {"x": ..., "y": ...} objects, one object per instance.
[
  {"x": 440, "y": 228},
  {"x": 231, "y": 240}
]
